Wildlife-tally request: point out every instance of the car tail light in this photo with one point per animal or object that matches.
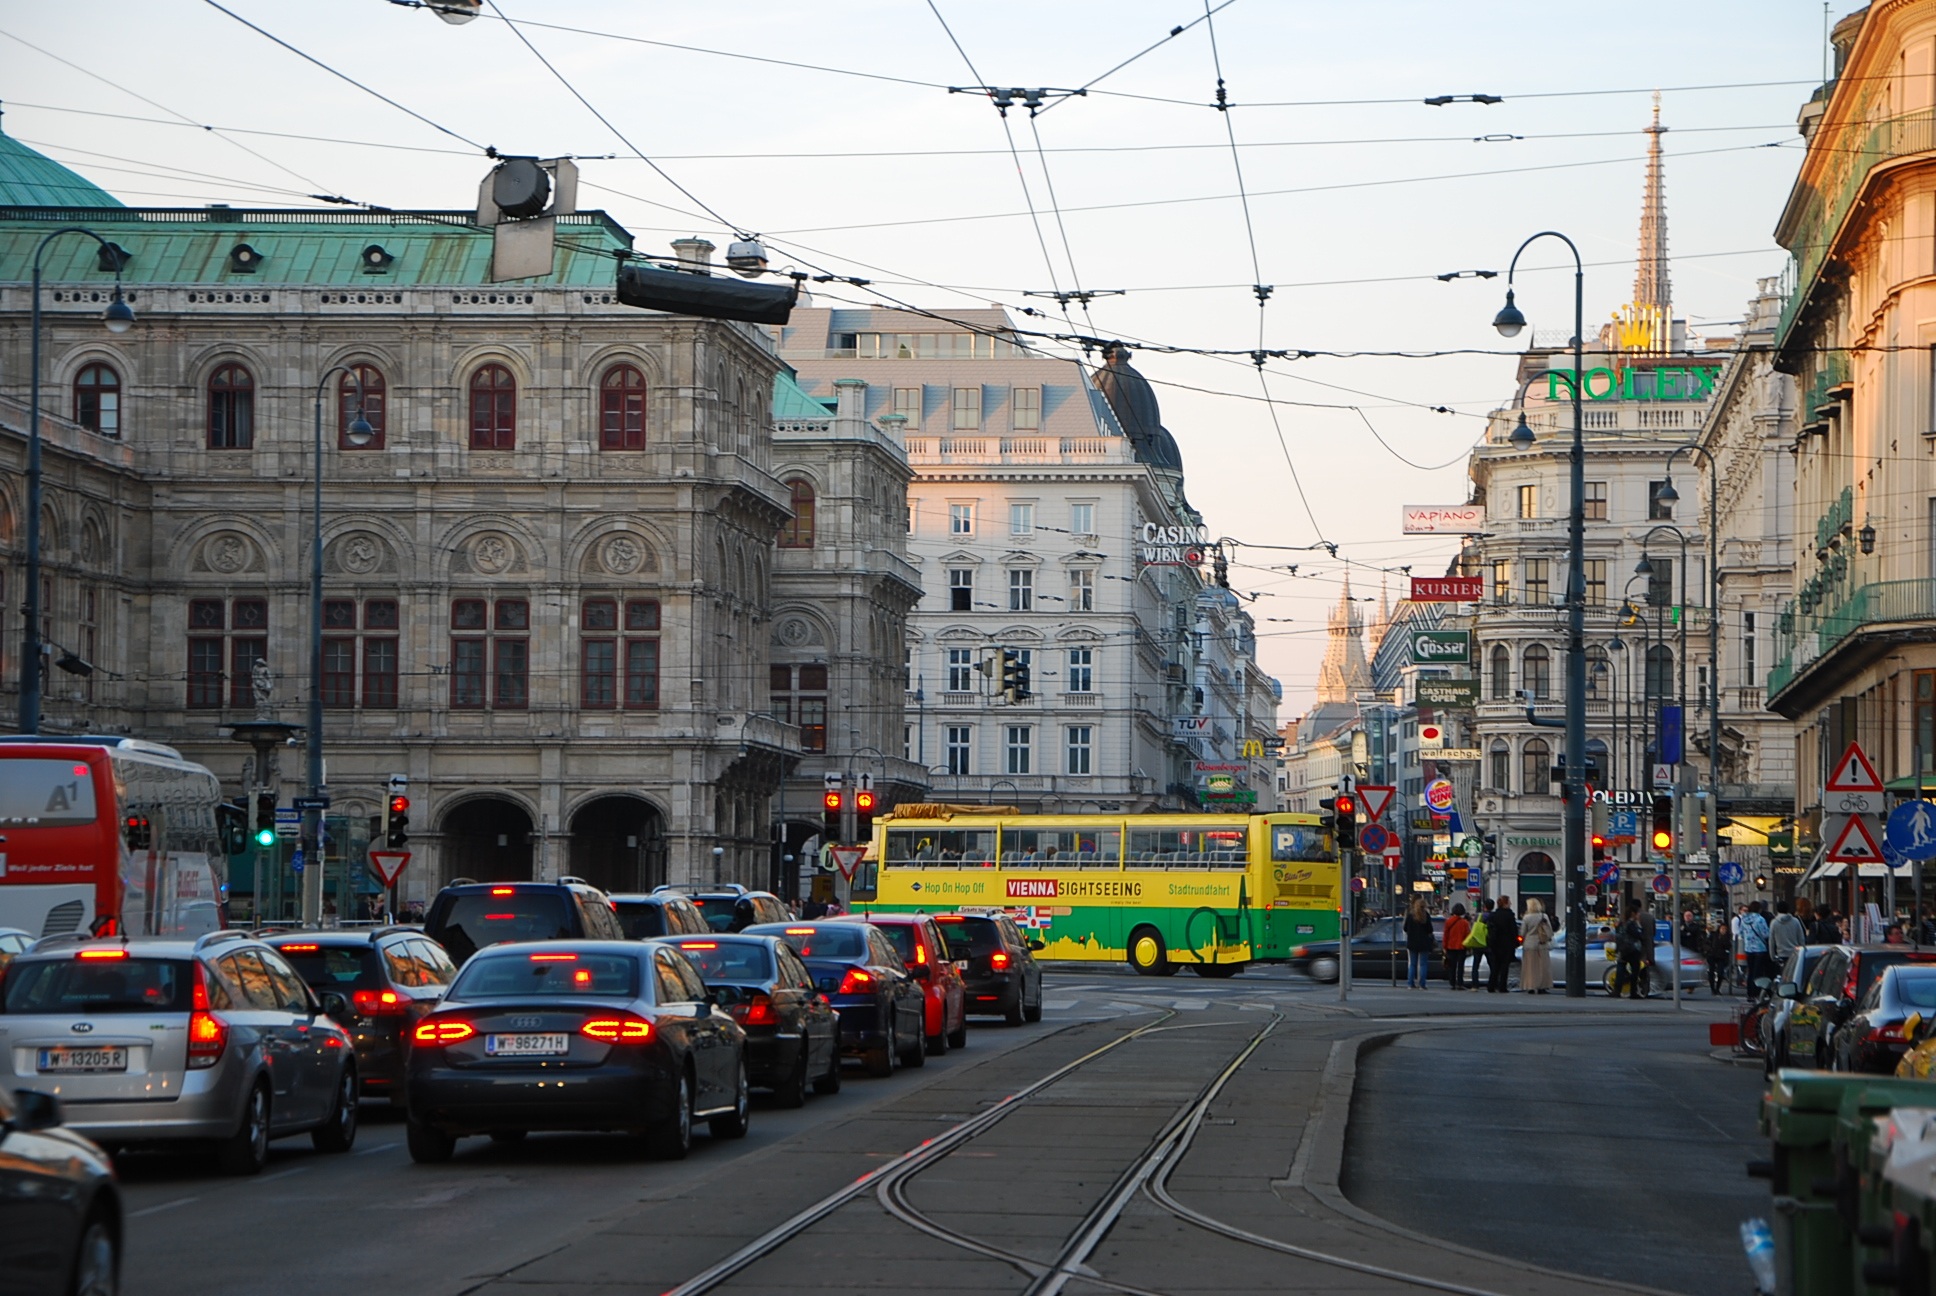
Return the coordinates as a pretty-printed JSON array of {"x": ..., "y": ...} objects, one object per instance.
[
  {"x": 617, "y": 1030},
  {"x": 380, "y": 1003},
  {"x": 442, "y": 1030},
  {"x": 799, "y": 931},
  {"x": 208, "y": 1034},
  {"x": 999, "y": 960},
  {"x": 1897, "y": 1033},
  {"x": 920, "y": 954},
  {"x": 554, "y": 958},
  {"x": 299, "y": 949},
  {"x": 757, "y": 1011},
  {"x": 93, "y": 954},
  {"x": 504, "y": 891},
  {"x": 698, "y": 944},
  {"x": 856, "y": 981}
]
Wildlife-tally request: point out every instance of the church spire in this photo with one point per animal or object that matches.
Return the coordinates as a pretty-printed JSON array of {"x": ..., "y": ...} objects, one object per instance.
[
  {"x": 1345, "y": 672},
  {"x": 1651, "y": 286}
]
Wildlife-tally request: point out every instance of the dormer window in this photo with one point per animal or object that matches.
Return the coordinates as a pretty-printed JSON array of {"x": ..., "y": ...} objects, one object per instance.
[
  {"x": 376, "y": 260},
  {"x": 244, "y": 259}
]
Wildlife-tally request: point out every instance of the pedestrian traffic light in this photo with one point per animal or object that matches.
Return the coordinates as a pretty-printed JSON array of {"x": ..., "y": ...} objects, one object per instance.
[
  {"x": 265, "y": 819},
  {"x": 1662, "y": 837},
  {"x": 831, "y": 804},
  {"x": 864, "y": 804},
  {"x": 396, "y": 827},
  {"x": 1015, "y": 675}
]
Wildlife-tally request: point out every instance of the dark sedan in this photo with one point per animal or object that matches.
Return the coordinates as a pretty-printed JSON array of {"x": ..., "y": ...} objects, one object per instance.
[
  {"x": 883, "y": 1010},
  {"x": 384, "y": 980},
  {"x": 1879, "y": 1033},
  {"x": 1376, "y": 951},
  {"x": 792, "y": 1031},
  {"x": 60, "y": 1210},
  {"x": 1841, "y": 978},
  {"x": 576, "y": 1035},
  {"x": 998, "y": 967}
]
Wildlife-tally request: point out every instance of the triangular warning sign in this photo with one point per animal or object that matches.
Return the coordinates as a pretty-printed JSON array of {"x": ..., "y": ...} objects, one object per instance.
[
  {"x": 389, "y": 865},
  {"x": 1855, "y": 844},
  {"x": 1853, "y": 773}
]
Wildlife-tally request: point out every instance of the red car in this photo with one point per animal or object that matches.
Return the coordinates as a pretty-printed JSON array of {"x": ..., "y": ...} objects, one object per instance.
[{"x": 926, "y": 955}]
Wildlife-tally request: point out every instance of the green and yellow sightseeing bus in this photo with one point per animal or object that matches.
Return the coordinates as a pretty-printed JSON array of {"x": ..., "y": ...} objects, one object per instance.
[{"x": 1207, "y": 891}]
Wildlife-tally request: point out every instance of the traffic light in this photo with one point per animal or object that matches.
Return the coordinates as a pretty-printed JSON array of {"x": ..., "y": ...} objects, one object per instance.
[
  {"x": 1340, "y": 817},
  {"x": 1492, "y": 847},
  {"x": 1693, "y": 829},
  {"x": 265, "y": 819},
  {"x": 864, "y": 804},
  {"x": 396, "y": 825},
  {"x": 1661, "y": 839},
  {"x": 831, "y": 804},
  {"x": 1602, "y": 819},
  {"x": 1015, "y": 675},
  {"x": 138, "y": 832}
]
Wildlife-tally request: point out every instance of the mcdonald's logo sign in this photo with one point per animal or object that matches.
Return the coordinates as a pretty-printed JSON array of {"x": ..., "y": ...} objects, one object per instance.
[{"x": 1253, "y": 749}]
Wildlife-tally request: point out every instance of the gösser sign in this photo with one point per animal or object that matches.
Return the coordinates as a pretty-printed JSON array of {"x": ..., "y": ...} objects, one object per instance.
[
  {"x": 1441, "y": 647},
  {"x": 1171, "y": 546}
]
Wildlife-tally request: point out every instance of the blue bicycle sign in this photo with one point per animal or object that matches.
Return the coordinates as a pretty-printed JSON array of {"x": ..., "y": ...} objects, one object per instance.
[{"x": 1731, "y": 873}]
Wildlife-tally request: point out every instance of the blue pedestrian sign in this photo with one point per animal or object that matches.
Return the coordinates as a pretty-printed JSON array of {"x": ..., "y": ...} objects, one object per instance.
[
  {"x": 1912, "y": 830},
  {"x": 1732, "y": 873},
  {"x": 296, "y": 859}
]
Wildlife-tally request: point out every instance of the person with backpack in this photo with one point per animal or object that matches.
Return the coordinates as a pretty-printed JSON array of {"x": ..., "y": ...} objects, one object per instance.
[
  {"x": 1476, "y": 940},
  {"x": 1630, "y": 947},
  {"x": 1754, "y": 944},
  {"x": 1456, "y": 927},
  {"x": 1502, "y": 937}
]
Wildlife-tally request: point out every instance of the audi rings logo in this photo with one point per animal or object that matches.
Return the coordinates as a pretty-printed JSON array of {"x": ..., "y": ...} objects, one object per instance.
[{"x": 525, "y": 1023}]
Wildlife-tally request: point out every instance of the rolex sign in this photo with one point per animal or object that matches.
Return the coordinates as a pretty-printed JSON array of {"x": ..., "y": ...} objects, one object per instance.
[{"x": 1441, "y": 647}]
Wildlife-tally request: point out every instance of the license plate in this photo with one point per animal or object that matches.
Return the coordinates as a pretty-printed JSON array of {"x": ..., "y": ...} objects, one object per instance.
[
  {"x": 526, "y": 1045},
  {"x": 72, "y": 1060}
]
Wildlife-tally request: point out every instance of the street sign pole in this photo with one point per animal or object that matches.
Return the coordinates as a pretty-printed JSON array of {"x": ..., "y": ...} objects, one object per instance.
[{"x": 1350, "y": 875}]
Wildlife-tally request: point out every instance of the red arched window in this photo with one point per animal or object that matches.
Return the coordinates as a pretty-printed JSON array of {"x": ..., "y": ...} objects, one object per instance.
[
  {"x": 231, "y": 409},
  {"x": 621, "y": 409},
  {"x": 798, "y": 534},
  {"x": 494, "y": 409},
  {"x": 373, "y": 406},
  {"x": 97, "y": 400}
]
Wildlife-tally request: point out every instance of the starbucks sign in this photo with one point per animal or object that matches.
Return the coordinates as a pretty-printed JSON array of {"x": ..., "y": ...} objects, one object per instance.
[{"x": 1442, "y": 647}]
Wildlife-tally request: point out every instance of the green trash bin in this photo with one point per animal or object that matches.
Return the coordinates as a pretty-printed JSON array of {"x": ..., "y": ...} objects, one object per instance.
[
  {"x": 1814, "y": 1253},
  {"x": 1859, "y": 1150},
  {"x": 1905, "y": 1148}
]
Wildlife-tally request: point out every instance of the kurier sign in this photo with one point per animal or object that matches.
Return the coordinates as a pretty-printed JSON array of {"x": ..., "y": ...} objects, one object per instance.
[
  {"x": 1448, "y": 589},
  {"x": 1666, "y": 383},
  {"x": 1442, "y": 647}
]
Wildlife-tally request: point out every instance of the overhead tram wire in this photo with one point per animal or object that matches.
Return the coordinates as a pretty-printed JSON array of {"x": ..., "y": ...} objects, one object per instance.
[{"x": 1153, "y": 46}]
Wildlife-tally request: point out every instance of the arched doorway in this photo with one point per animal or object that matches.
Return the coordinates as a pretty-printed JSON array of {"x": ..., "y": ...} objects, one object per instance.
[
  {"x": 1536, "y": 880},
  {"x": 618, "y": 844},
  {"x": 489, "y": 840}
]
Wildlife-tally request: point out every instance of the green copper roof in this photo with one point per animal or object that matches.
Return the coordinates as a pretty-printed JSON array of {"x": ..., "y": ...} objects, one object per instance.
[
  {"x": 30, "y": 179},
  {"x": 790, "y": 402}
]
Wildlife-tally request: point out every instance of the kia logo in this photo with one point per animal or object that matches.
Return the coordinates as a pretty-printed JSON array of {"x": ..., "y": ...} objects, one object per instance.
[{"x": 81, "y": 1028}]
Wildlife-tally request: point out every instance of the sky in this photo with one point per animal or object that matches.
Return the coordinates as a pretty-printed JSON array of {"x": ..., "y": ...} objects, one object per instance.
[{"x": 831, "y": 132}]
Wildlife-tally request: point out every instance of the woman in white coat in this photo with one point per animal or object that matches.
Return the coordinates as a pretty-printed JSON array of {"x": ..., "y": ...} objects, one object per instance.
[{"x": 1536, "y": 950}]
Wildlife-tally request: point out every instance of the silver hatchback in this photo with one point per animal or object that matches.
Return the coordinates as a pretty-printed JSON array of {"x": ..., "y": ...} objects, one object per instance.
[{"x": 160, "y": 1041}]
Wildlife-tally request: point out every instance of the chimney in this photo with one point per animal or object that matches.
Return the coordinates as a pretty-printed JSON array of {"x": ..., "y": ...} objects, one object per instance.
[
  {"x": 695, "y": 254},
  {"x": 850, "y": 398}
]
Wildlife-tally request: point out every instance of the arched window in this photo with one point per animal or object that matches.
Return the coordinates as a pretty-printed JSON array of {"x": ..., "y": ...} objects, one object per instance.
[
  {"x": 231, "y": 409},
  {"x": 1535, "y": 768},
  {"x": 1501, "y": 767},
  {"x": 373, "y": 407},
  {"x": 1501, "y": 673},
  {"x": 494, "y": 409},
  {"x": 1538, "y": 673},
  {"x": 621, "y": 409},
  {"x": 798, "y": 534},
  {"x": 1660, "y": 672},
  {"x": 97, "y": 400}
]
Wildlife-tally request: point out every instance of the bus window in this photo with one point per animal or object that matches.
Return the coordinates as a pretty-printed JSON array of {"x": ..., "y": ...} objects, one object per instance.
[
  {"x": 1188, "y": 848},
  {"x": 1298, "y": 842},
  {"x": 1073, "y": 847},
  {"x": 940, "y": 848},
  {"x": 44, "y": 793}
]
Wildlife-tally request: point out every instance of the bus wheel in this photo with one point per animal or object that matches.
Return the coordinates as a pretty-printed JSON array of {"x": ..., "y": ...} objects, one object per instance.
[
  {"x": 1218, "y": 971},
  {"x": 1147, "y": 954}
]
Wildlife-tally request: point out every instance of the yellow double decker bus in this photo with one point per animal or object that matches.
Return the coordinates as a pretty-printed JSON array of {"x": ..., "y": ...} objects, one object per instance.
[{"x": 1212, "y": 892}]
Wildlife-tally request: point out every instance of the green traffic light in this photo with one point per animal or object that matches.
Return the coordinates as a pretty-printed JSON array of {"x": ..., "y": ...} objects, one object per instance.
[{"x": 265, "y": 836}]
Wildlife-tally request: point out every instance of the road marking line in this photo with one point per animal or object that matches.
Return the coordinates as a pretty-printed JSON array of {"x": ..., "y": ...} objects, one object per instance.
[
  {"x": 282, "y": 1174},
  {"x": 1059, "y": 1004},
  {"x": 156, "y": 1210},
  {"x": 381, "y": 1147}
]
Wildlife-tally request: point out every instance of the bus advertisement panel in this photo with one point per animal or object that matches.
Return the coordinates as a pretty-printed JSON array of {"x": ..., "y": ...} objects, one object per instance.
[
  {"x": 109, "y": 835},
  {"x": 1210, "y": 891}
]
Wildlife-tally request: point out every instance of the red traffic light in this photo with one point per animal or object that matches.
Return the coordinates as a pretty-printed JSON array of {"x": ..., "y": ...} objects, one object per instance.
[
  {"x": 832, "y": 801},
  {"x": 864, "y": 802},
  {"x": 399, "y": 805},
  {"x": 1346, "y": 807}
]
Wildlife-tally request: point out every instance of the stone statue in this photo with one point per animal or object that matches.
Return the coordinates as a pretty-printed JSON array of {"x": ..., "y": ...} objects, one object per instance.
[{"x": 262, "y": 684}]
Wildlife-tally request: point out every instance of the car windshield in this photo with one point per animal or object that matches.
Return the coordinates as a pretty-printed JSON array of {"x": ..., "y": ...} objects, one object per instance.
[
  {"x": 968, "y": 937},
  {"x": 718, "y": 911},
  {"x": 516, "y": 975},
  {"x": 641, "y": 919},
  {"x": 742, "y": 961},
  {"x": 478, "y": 919},
  {"x": 99, "y": 985},
  {"x": 327, "y": 967},
  {"x": 1916, "y": 987},
  {"x": 835, "y": 940},
  {"x": 900, "y": 937}
]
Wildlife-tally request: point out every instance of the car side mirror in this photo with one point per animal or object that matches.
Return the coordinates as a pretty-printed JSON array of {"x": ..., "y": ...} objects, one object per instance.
[
  {"x": 1037, "y": 945},
  {"x": 922, "y": 972},
  {"x": 1788, "y": 990},
  {"x": 34, "y": 1111},
  {"x": 335, "y": 1005}
]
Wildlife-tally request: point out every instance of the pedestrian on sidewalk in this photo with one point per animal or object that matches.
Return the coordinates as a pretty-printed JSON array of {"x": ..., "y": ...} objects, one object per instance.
[
  {"x": 1719, "y": 952},
  {"x": 1536, "y": 950},
  {"x": 1630, "y": 946},
  {"x": 1754, "y": 945},
  {"x": 1502, "y": 936},
  {"x": 1456, "y": 928},
  {"x": 1418, "y": 944},
  {"x": 1828, "y": 928},
  {"x": 1785, "y": 934}
]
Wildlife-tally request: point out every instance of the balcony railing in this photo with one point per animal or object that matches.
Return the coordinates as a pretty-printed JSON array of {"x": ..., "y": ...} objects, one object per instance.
[
  {"x": 974, "y": 448},
  {"x": 1809, "y": 638}
]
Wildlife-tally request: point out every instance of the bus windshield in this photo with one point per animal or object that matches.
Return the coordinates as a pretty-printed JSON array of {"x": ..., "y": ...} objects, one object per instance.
[{"x": 47, "y": 793}]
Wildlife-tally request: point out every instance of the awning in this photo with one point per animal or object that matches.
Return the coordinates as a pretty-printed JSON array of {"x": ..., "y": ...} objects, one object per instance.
[{"x": 1839, "y": 870}]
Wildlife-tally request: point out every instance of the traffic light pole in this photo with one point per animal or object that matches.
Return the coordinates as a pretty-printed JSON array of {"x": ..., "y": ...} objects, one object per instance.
[{"x": 1345, "y": 906}]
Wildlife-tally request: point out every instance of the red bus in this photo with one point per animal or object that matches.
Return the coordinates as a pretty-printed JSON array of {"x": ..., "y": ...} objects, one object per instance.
[{"x": 110, "y": 835}]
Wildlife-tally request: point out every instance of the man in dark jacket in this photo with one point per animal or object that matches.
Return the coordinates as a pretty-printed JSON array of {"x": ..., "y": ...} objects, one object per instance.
[
  {"x": 1631, "y": 946},
  {"x": 1502, "y": 937}
]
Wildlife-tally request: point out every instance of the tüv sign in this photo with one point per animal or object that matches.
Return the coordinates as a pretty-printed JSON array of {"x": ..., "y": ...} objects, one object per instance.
[{"x": 1442, "y": 647}]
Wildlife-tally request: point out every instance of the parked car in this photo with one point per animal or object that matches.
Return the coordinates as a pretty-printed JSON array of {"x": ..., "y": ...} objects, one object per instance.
[
  {"x": 222, "y": 1026},
  {"x": 1839, "y": 980},
  {"x": 792, "y": 1030},
  {"x": 662, "y": 913},
  {"x": 733, "y": 908},
  {"x": 882, "y": 1008},
  {"x": 471, "y": 916},
  {"x": 629, "y": 1022},
  {"x": 387, "y": 978},
  {"x": 925, "y": 955},
  {"x": 1378, "y": 950},
  {"x": 1603, "y": 964},
  {"x": 998, "y": 968},
  {"x": 1884, "y": 1022},
  {"x": 60, "y": 1206},
  {"x": 1772, "y": 1023}
]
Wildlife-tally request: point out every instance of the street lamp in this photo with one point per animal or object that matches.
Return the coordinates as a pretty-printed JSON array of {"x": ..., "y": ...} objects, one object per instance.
[
  {"x": 118, "y": 318},
  {"x": 1669, "y": 494},
  {"x": 359, "y": 434},
  {"x": 1510, "y": 321}
]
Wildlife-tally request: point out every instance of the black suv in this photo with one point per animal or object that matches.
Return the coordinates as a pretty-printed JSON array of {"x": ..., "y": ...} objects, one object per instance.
[
  {"x": 388, "y": 977},
  {"x": 468, "y": 916},
  {"x": 997, "y": 962},
  {"x": 733, "y": 908},
  {"x": 663, "y": 913}
]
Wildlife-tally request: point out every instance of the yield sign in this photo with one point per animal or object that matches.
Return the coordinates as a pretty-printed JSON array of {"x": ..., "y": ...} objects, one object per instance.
[
  {"x": 389, "y": 865},
  {"x": 1853, "y": 773},
  {"x": 1377, "y": 798},
  {"x": 1855, "y": 844},
  {"x": 847, "y": 859}
]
